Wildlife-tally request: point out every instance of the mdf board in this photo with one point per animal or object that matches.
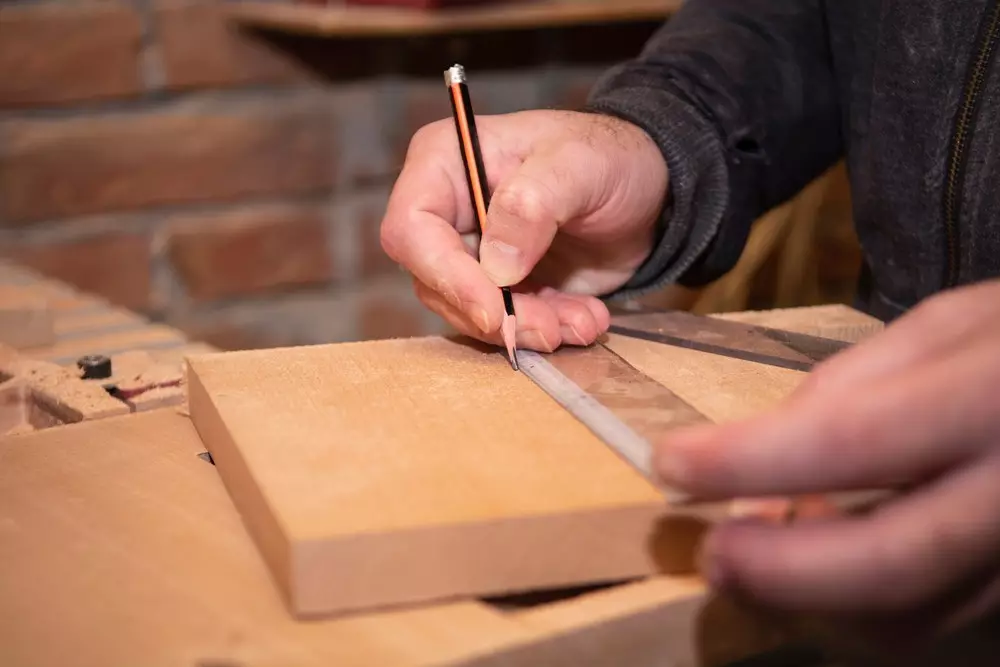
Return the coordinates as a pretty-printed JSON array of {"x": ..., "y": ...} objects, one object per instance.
[
  {"x": 119, "y": 546},
  {"x": 384, "y": 473},
  {"x": 388, "y": 472}
]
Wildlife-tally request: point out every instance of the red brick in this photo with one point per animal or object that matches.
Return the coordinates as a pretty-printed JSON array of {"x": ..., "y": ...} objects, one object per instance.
[
  {"x": 57, "y": 168},
  {"x": 226, "y": 336},
  {"x": 247, "y": 252},
  {"x": 115, "y": 266},
  {"x": 55, "y": 54},
  {"x": 423, "y": 104},
  {"x": 382, "y": 316},
  {"x": 201, "y": 48},
  {"x": 364, "y": 154}
]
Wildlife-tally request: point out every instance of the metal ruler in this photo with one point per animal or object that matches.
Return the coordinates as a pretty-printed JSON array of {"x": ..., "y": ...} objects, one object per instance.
[{"x": 629, "y": 410}]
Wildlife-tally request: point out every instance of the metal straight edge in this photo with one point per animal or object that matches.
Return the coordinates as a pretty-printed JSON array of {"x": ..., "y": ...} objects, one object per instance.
[
  {"x": 710, "y": 348},
  {"x": 629, "y": 445},
  {"x": 802, "y": 351}
]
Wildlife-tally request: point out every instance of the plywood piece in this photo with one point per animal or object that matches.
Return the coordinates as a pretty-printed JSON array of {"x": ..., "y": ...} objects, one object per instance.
[
  {"x": 719, "y": 387},
  {"x": 835, "y": 321},
  {"x": 119, "y": 541},
  {"x": 124, "y": 515},
  {"x": 652, "y": 623},
  {"x": 26, "y": 320},
  {"x": 391, "y": 472},
  {"x": 59, "y": 391},
  {"x": 338, "y": 454}
]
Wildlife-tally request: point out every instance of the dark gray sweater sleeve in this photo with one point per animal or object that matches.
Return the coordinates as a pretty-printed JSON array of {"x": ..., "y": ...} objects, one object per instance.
[{"x": 741, "y": 99}]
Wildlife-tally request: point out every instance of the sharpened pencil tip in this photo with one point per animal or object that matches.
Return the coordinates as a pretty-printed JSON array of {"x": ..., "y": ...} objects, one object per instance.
[{"x": 508, "y": 331}]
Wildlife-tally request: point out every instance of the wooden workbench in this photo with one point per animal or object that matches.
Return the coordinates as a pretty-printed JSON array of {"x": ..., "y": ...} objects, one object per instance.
[
  {"x": 87, "y": 324},
  {"x": 119, "y": 545}
]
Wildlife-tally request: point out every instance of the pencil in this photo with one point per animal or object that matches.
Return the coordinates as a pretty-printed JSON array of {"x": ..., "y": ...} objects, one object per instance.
[{"x": 475, "y": 174}]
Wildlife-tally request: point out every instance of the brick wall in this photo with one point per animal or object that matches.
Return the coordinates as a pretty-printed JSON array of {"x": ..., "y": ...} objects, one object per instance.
[{"x": 232, "y": 183}]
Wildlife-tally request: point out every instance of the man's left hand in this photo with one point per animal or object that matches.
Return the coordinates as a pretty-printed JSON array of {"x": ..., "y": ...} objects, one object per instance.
[{"x": 916, "y": 406}]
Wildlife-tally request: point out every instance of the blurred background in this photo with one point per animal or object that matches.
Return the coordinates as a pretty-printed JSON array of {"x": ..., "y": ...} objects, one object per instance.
[{"x": 223, "y": 168}]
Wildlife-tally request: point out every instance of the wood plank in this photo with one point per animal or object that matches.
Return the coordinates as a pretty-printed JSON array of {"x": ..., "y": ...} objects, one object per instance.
[
  {"x": 835, "y": 321},
  {"x": 342, "y": 456},
  {"x": 719, "y": 387},
  {"x": 102, "y": 522},
  {"x": 652, "y": 623},
  {"x": 123, "y": 514},
  {"x": 339, "y": 454},
  {"x": 121, "y": 542},
  {"x": 327, "y": 503},
  {"x": 59, "y": 391},
  {"x": 345, "y": 21}
]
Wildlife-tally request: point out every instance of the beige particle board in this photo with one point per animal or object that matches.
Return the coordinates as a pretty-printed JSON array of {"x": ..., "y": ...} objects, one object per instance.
[
  {"x": 657, "y": 622},
  {"x": 58, "y": 392},
  {"x": 120, "y": 547},
  {"x": 836, "y": 321},
  {"x": 386, "y": 473},
  {"x": 391, "y": 472},
  {"x": 721, "y": 388}
]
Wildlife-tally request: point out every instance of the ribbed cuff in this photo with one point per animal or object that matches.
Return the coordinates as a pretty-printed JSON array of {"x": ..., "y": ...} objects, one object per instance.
[{"x": 698, "y": 186}]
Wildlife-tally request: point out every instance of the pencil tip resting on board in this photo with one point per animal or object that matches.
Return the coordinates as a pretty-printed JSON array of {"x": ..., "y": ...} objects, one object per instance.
[
  {"x": 508, "y": 331},
  {"x": 509, "y": 328}
]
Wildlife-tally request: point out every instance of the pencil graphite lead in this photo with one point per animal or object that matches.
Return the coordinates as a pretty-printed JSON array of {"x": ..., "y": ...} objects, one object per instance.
[{"x": 509, "y": 332}]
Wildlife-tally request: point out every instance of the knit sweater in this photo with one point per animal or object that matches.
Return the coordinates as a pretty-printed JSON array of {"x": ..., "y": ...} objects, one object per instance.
[{"x": 750, "y": 100}]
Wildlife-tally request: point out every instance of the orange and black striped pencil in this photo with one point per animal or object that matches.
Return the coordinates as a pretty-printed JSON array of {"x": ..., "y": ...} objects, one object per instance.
[{"x": 475, "y": 173}]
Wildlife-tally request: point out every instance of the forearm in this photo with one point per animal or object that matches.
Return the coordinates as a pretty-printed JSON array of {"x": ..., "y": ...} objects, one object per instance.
[{"x": 740, "y": 97}]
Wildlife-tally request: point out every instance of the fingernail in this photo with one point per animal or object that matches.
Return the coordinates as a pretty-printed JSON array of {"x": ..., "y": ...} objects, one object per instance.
[
  {"x": 534, "y": 339},
  {"x": 480, "y": 317},
  {"x": 501, "y": 262},
  {"x": 569, "y": 333}
]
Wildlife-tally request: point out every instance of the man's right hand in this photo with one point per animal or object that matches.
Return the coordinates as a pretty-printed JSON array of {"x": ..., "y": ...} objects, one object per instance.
[{"x": 575, "y": 201}]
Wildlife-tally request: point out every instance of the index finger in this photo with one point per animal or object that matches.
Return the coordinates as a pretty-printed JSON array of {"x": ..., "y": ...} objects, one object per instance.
[{"x": 428, "y": 210}]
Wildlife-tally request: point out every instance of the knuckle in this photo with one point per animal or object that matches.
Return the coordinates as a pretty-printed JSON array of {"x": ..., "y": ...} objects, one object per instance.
[
  {"x": 524, "y": 199},
  {"x": 429, "y": 135}
]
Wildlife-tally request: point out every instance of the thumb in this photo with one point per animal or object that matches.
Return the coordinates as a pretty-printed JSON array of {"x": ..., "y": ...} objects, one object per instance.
[{"x": 527, "y": 209}]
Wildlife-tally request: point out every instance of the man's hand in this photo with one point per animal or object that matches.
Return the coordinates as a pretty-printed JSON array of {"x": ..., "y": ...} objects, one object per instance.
[
  {"x": 917, "y": 406},
  {"x": 574, "y": 205}
]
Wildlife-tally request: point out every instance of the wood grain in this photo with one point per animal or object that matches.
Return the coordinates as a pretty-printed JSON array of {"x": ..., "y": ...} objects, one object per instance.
[
  {"x": 397, "y": 471},
  {"x": 344, "y": 457},
  {"x": 835, "y": 321},
  {"x": 118, "y": 538},
  {"x": 122, "y": 514},
  {"x": 129, "y": 551}
]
